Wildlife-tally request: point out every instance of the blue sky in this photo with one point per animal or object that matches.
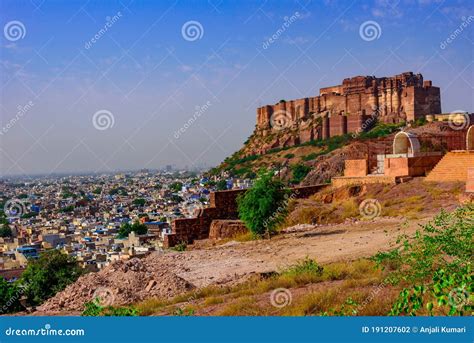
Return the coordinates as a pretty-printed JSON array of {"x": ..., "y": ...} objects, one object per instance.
[{"x": 148, "y": 78}]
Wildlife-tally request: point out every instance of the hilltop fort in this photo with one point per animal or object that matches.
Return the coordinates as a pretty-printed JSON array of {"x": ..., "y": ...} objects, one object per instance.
[{"x": 347, "y": 108}]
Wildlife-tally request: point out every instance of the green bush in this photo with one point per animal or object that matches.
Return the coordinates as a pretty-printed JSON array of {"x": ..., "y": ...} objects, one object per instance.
[
  {"x": 437, "y": 263},
  {"x": 47, "y": 275},
  {"x": 288, "y": 156},
  {"x": 10, "y": 295},
  {"x": 5, "y": 231},
  {"x": 181, "y": 246},
  {"x": 306, "y": 266},
  {"x": 93, "y": 309},
  {"x": 310, "y": 157},
  {"x": 299, "y": 172},
  {"x": 263, "y": 206}
]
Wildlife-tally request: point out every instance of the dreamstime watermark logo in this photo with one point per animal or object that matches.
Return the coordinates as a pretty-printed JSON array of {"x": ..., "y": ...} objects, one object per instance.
[
  {"x": 370, "y": 208},
  {"x": 109, "y": 22},
  {"x": 20, "y": 290},
  {"x": 459, "y": 297},
  {"x": 199, "y": 111},
  {"x": 21, "y": 111},
  {"x": 103, "y": 296},
  {"x": 14, "y": 208},
  {"x": 459, "y": 120},
  {"x": 370, "y": 30},
  {"x": 193, "y": 208},
  {"x": 287, "y": 22},
  {"x": 281, "y": 297},
  {"x": 192, "y": 31},
  {"x": 280, "y": 210},
  {"x": 103, "y": 120},
  {"x": 367, "y": 124},
  {"x": 465, "y": 23},
  {"x": 281, "y": 120},
  {"x": 14, "y": 30}
]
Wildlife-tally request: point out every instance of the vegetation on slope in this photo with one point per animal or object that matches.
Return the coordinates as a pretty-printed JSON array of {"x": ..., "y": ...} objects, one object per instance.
[
  {"x": 42, "y": 279},
  {"x": 241, "y": 164}
]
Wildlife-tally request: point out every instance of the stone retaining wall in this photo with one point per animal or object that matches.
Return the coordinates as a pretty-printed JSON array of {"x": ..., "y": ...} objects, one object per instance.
[{"x": 223, "y": 205}]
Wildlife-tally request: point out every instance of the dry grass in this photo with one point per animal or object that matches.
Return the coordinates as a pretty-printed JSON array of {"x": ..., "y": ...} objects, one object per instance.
[{"x": 251, "y": 298}]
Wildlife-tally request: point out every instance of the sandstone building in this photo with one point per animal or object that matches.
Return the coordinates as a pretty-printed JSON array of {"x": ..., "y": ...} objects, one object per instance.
[{"x": 348, "y": 107}]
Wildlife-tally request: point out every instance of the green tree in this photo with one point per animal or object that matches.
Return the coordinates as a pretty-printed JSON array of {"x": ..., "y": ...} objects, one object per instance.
[
  {"x": 221, "y": 185},
  {"x": 139, "y": 202},
  {"x": 9, "y": 297},
  {"x": 5, "y": 231},
  {"x": 127, "y": 228},
  {"x": 176, "y": 186},
  {"x": 263, "y": 206},
  {"x": 47, "y": 275}
]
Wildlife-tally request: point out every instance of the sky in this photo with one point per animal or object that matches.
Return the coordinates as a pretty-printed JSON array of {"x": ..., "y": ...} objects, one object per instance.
[{"x": 99, "y": 86}]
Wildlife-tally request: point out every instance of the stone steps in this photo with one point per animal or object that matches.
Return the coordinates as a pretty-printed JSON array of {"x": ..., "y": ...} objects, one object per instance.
[{"x": 452, "y": 167}]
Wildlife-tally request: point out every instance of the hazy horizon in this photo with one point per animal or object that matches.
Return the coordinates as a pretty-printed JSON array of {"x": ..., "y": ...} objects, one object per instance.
[{"x": 93, "y": 86}]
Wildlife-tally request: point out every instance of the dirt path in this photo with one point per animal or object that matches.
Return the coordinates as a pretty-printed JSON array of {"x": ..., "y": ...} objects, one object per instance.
[
  {"x": 167, "y": 274},
  {"x": 231, "y": 261}
]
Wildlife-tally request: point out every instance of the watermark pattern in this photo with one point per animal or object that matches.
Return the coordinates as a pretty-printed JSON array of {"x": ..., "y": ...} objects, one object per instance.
[
  {"x": 21, "y": 111},
  {"x": 46, "y": 331},
  {"x": 103, "y": 120},
  {"x": 370, "y": 30},
  {"x": 451, "y": 38},
  {"x": 459, "y": 120},
  {"x": 192, "y": 30},
  {"x": 199, "y": 111},
  {"x": 14, "y": 30},
  {"x": 459, "y": 297},
  {"x": 14, "y": 208},
  {"x": 193, "y": 208},
  {"x": 109, "y": 22},
  {"x": 286, "y": 24},
  {"x": 372, "y": 295},
  {"x": 281, "y": 297},
  {"x": 370, "y": 208},
  {"x": 103, "y": 296},
  {"x": 280, "y": 210},
  {"x": 281, "y": 120},
  {"x": 369, "y": 122},
  {"x": 22, "y": 288}
]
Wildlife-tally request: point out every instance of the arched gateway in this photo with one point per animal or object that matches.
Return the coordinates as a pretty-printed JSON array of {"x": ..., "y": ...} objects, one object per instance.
[
  {"x": 405, "y": 143},
  {"x": 470, "y": 138}
]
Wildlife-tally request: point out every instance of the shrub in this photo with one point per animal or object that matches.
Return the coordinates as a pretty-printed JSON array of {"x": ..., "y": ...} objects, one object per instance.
[
  {"x": 47, "y": 275},
  {"x": 310, "y": 157},
  {"x": 9, "y": 297},
  {"x": 436, "y": 262},
  {"x": 263, "y": 206},
  {"x": 93, "y": 309},
  {"x": 181, "y": 246},
  {"x": 299, "y": 172},
  {"x": 288, "y": 156}
]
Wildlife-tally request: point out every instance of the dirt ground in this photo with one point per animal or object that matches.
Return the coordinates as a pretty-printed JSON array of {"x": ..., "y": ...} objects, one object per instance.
[
  {"x": 165, "y": 274},
  {"x": 329, "y": 243}
]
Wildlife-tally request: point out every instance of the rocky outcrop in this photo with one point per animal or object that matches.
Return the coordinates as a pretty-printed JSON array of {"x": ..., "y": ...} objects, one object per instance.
[{"x": 226, "y": 229}]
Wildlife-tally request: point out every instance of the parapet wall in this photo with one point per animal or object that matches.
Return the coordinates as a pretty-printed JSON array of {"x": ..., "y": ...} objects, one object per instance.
[{"x": 223, "y": 205}]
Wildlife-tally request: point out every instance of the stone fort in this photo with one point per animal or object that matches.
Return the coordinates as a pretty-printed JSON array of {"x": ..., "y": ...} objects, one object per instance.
[{"x": 345, "y": 108}]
